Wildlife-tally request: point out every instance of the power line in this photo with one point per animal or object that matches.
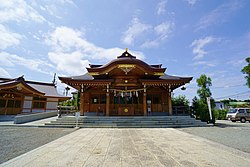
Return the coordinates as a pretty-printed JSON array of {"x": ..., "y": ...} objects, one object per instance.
[
  {"x": 219, "y": 87},
  {"x": 232, "y": 95}
]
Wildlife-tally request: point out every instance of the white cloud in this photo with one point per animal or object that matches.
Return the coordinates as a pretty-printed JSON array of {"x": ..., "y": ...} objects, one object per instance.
[
  {"x": 71, "y": 52},
  {"x": 66, "y": 2},
  {"x": 8, "y": 38},
  {"x": 72, "y": 63},
  {"x": 4, "y": 73},
  {"x": 134, "y": 31},
  {"x": 204, "y": 63},
  {"x": 191, "y": 2},
  {"x": 12, "y": 60},
  {"x": 220, "y": 14},
  {"x": 64, "y": 39},
  {"x": 18, "y": 10},
  {"x": 164, "y": 29},
  {"x": 150, "y": 44},
  {"x": 198, "y": 46},
  {"x": 236, "y": 63},
  {"x": 161, "y": 7}
]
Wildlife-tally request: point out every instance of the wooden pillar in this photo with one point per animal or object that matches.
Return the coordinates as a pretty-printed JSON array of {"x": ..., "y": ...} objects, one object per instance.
[
  {"x": 82, "y": 103},
  {"x": 163, "y": 102},
  {"x": 107, "y": 103},
  {"x": 145, "y": 101},
  {"x": 170, "y": 110},
  {"x": 145, "y": 104}
]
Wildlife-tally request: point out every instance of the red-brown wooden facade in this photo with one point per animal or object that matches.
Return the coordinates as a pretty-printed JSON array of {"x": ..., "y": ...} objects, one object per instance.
[
  {"x": 18, "y": 96},
  {"x": 125, "y": 86}
]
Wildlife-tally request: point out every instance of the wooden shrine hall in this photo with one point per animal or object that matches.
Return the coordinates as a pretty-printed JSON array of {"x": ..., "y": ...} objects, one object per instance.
[{"x": 125, "y": 86}]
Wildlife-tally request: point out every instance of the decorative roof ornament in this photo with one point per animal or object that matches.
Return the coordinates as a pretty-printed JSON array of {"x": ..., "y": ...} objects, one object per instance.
[{"x": 126, "y": 54}]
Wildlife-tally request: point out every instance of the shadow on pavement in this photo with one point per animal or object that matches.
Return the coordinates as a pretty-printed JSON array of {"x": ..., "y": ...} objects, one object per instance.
[{"x": 229, "y": 124}]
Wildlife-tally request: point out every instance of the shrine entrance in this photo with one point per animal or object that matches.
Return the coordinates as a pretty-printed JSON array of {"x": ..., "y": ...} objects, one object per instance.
[
  {"x": 127, "y": 104},
  {"x": 125, "y": 86}
]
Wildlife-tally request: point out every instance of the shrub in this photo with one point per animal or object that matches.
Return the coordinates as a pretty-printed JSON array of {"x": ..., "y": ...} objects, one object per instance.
[
  {"x": 221, "y": 114},
  {"x": 200, "y": 110}
]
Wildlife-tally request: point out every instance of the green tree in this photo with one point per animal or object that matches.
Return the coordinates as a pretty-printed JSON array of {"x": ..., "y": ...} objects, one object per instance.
[
  {"x": 194, "y": 108},
  {"x": 77, "y": 102},
  {"x": 180, "y": 100},
  {"x": 204, "y": 83},
  {"x": 246, "y": 70},
  {"x": 203, "y": 92}
]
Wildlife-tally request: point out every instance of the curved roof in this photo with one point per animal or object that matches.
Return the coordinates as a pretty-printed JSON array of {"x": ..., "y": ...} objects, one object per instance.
[
  {"x": 31, "y": 87},
  {"x": 126, "y": 58},
  {"x": 110, "y": 74},
  {"x": 19, "y": 83}
]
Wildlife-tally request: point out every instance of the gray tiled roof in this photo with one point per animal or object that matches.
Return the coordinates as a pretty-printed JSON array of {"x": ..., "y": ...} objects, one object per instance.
[
  {"x": 49, "y": 90},
  {"x": 85, "y": 76},
  {"x": 169, "y": 77}
]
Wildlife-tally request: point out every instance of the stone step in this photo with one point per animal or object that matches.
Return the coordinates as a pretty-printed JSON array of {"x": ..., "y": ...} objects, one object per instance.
[
  {"x": 142, "y": 122},
  {"x": 139, "y": 126},
  {"x": 124, "y": 120},
  {"x": 132, "y": 122},
  {"x": 121, "y": 121},
  {"x": 129, "y": 118},
  {"x": 122, "y": 124}
]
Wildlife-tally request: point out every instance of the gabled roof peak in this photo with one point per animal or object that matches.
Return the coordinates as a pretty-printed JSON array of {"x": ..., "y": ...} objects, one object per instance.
[{"x": 126, "y": 54}]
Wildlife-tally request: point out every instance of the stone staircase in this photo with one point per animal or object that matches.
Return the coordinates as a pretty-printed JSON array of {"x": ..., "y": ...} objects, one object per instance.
[{"x": 127, "y": 122}]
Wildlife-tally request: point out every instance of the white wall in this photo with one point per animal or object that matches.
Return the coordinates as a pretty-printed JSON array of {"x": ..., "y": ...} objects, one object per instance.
[{"x": 51, "y": 105}]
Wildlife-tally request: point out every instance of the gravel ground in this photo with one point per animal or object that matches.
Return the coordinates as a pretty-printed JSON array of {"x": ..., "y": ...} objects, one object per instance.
[
  {"x": 235, "y": 135},
  {"x": 15, "y": 141}
]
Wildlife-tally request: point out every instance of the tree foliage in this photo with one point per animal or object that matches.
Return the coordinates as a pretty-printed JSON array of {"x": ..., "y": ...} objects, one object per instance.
[
  {"x": 180, "y": 100},
  {"x": 204, "y": 83},
  {"x": 77, "y": 100},
  {"x": 199, "y": 106},
  {"x": 246, "y": 70}
]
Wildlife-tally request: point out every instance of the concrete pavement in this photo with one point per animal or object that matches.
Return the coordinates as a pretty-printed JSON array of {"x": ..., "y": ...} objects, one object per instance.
[
  {"x": 6, "y": 121},
  {"x": 131, "y": 147}
]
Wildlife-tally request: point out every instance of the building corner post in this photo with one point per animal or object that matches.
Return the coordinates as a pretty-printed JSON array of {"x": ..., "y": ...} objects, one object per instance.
[
  {"x": 145, "y": 101},
  {"x": 170, "y": 108},
  {"x": 107, "y": 104},
  {"x": 107, "y": 101}
]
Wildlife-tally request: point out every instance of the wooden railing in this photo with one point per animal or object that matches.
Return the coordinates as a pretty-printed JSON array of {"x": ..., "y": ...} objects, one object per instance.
[
  {"x": 181, "y": 110},
  {"x": 66, "y": 110}
]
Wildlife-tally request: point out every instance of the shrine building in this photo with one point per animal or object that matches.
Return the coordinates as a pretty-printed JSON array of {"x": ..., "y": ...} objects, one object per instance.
[
  {"x": 126, "y": 86},
  {"x": 18, "y": 96}
]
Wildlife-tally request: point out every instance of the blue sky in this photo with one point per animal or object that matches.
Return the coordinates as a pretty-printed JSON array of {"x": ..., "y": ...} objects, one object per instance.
[{"x": 188, "y": 37}]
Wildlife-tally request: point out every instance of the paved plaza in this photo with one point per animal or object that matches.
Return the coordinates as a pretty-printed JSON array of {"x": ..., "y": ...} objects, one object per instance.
[{"x": 131, "y": 147}]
